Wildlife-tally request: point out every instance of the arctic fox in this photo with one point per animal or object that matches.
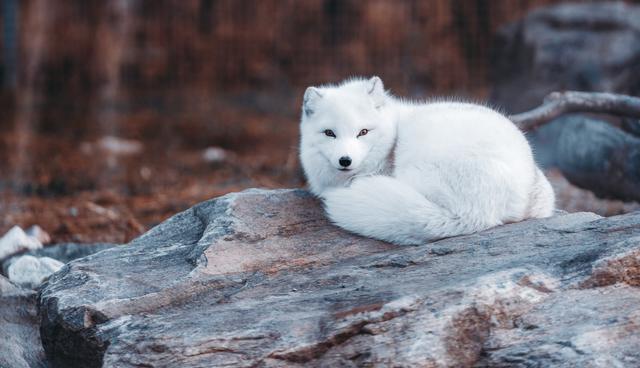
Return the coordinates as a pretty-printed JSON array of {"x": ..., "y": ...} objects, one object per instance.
[{"x": 409, "y": 173}]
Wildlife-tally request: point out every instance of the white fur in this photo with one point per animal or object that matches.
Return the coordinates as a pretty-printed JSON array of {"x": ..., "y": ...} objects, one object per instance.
[{"x": 424, "y": 171}]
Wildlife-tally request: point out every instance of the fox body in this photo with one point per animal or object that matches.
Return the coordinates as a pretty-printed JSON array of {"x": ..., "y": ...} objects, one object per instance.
[{"x": 409, "y": 173}]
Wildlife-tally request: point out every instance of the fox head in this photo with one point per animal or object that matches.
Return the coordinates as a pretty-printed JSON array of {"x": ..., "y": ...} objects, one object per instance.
[{"x": 346, "y": 131}]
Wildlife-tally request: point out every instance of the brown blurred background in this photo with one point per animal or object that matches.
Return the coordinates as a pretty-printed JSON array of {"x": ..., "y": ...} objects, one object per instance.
[{"x": 116, "y": 114}]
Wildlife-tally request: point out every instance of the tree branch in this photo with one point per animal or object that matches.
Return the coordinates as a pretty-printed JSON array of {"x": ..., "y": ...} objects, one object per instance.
[{"x": 559, "y": 103}]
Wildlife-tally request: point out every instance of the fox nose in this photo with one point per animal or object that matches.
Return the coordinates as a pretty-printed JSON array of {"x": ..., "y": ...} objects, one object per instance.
[{"x": 345, "y": 161}]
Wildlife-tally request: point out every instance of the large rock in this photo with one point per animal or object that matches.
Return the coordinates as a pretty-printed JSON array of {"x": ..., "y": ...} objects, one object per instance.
[
  {"x": 591, "y": 46},
  {"x": 592, "y": 154},
  {"x": 260, "y": 278},
  {"x": 20, "y": 345}
]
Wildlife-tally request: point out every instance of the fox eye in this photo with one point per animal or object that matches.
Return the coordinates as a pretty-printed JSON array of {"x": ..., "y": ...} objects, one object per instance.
[
  {"x": 363, "y": 132},
  {"x": 329, "y": 133}
]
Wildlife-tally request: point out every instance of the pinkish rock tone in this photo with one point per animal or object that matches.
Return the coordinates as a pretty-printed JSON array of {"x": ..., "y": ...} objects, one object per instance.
[{"x": 261, "y": 279}]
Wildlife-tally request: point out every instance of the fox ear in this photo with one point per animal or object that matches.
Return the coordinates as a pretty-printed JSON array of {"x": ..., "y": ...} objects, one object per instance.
[
  {"x": 311, "y": 96},
  {"x": 375, "y": 88}
]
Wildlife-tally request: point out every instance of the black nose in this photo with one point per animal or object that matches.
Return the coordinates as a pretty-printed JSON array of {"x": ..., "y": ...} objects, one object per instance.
[{"x": 345, "y": 161}]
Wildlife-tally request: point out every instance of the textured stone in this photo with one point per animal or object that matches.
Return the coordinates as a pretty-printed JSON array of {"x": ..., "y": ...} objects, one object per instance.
[
  {"x": 20, "y": 345},
  {"x": 592, "y": 154},
  {"x": 593, "y": 46},
  {"x": 575, "y": 328},
  {"x": 590, "y": 46},
  {"x": 260, "y": 278}
]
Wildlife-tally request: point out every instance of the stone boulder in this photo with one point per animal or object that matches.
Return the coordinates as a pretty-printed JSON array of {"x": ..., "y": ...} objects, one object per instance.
[
  {"x": 20, "y": 345},
  {"x": 592, "y": 46},
  {"x": 592, "y": 154},
  {"x": 260, "y": 278}
]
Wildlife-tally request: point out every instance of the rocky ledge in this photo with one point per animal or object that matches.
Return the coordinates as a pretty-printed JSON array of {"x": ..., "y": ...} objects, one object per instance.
[{"x": 261, "y": 279}]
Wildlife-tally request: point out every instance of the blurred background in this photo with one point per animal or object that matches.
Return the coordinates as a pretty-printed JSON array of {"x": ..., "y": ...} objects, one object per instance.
[{"x": 117, "y": 114}]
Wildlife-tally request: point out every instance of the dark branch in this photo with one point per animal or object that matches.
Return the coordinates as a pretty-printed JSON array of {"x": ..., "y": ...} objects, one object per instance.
[{"x": 559, "y": 103}]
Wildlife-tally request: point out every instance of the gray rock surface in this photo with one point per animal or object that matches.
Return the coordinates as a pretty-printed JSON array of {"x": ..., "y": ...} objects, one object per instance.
[
  {"x": 592, "y": 154},
  {"x": 20, "y": 345},
  {"x": 589, "y": 46},
  {"x": 67, "y": 252},
  {"x": 259, "y": 278}
]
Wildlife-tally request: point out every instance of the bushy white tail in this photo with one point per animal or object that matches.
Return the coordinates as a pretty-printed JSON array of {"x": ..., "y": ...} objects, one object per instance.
[
  {"x": 543, "y": 200},
  {"x": 384, "y": 208}
]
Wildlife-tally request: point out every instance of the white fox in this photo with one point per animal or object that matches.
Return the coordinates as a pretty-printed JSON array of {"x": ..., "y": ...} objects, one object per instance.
[{"x": 409, "y": 173}]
